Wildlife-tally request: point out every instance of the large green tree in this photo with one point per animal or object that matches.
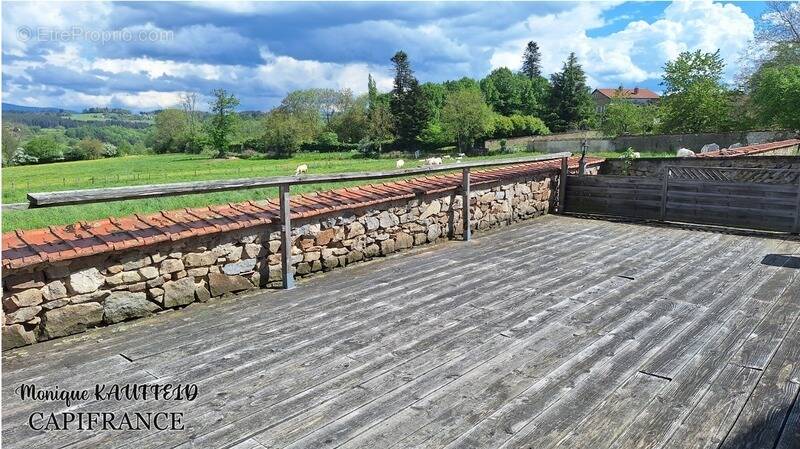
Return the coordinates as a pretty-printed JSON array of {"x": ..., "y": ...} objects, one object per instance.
[
  {"x": 623, "y": 117},
  {"x": 466, "y": 117},
  {"x": 776, "y": 96},
  {"x": 532, "y": 61},
  {"x": 408, "y": 104},
  {"x": 695, "y": 100},
  {"x": 571, "y": 106},
  {"x": 170, "y": 131},
  {"x": 223, "y": 120}
]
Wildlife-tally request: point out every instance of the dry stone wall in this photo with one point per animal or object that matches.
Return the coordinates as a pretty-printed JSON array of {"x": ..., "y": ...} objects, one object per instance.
[{"x": 56, "y": 300}]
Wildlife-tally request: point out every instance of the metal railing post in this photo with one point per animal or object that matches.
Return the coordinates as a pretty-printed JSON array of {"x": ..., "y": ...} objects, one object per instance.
[
  {"x": 286, "y": 237},
  {"x": 562, "y": 185},
  {"x": 465, "y": 200}
]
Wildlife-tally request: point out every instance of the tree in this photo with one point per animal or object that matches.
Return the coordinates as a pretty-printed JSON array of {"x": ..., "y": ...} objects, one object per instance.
[
  {"x": 283, "y": 132},
  {"x": 466, "y": 117},
  {"x": 695, "y": 100},
  {"x": 408, "y": 104},
  {"x": 780, "y": 23},
  {"x": 46, "y": 148},
  {"x": 91, "y": 148},
  {"x": 623, "y": 117},
  {"x": 776, "y": 96},
  {"x": 350, "y": 123},
  {"x": 692, "y": 67},
  {"x": 193, "y": 142},
  {"x": 570, "y": 104},
  {"x": 170, "y": 131},
  {"x": 223, "y": 119},
  {"x": 503, "y": 91},
  {"x": 12, "y": 136},
  {"x": 532, "y": 61}
]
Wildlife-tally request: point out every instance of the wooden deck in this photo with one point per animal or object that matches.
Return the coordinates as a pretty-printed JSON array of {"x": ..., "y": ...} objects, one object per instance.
[{"x": 561, "y": 332}]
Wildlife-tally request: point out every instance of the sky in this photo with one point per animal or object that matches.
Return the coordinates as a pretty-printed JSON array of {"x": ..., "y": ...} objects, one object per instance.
[{"x": 142, "y": 56}]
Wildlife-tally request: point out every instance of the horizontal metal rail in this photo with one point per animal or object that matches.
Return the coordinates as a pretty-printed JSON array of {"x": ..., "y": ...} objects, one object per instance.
[
  {"x": 284, "y": 183},
  {"x": 69, "y": 197}
]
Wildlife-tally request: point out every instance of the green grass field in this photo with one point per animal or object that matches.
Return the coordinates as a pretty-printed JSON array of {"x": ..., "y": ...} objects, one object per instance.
[{"x": 160, "y": 169}]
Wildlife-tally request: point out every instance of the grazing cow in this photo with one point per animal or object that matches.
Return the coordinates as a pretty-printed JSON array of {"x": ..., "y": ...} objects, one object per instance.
[
  {"x": 399, "y": 164},
  {"x": 433, "y": 161},
  {"x": 301, "y": 169},
  {"x": 685, "y": 152},
  {"x": 636, "y": 155}
]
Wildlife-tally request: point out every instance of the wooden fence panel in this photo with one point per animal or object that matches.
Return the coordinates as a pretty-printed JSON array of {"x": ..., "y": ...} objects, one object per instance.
[{"x": 749, "y": 198}]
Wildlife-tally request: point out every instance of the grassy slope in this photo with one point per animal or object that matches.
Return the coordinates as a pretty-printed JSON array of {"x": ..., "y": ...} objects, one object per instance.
[{"x": 159, "y": 169}]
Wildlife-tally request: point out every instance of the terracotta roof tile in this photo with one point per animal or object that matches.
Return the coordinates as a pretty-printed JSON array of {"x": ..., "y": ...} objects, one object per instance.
[{"x": 26, "y": 248}]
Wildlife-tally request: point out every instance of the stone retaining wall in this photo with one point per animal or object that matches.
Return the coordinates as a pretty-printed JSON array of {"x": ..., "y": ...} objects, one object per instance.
[
  {"x": 655, "y": 167},
  {"x": 53, "y": 300}
]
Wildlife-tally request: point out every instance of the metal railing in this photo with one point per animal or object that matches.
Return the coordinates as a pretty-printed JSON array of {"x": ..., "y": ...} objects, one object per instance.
[{"x": 283, "y": 183}]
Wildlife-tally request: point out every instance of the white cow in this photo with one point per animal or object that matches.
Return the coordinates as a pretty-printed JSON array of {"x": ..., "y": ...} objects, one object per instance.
[
  {"x": 433, "y": 161},
  {"x": 302, "y": 168},
  {"x": 399, "y": 164},
  {"x": 685, "y": 152},
  {"x": 636, "y": 155}
]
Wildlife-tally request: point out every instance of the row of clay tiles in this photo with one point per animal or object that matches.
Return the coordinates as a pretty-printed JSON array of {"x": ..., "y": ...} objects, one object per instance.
[
  {"x": 752, "y": 150},
  {"x": 57, "y": 243}
]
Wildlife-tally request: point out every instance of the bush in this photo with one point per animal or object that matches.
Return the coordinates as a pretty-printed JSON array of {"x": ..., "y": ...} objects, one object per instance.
[
  {"x": 321, "y": 147},
  {"x": 20, "y": 157},
  {"x": 110, "y": 150},
  {"x": 517, "y": 126},
  {"x": 45, "y": 149},
  {"x": 328, "y": 138}
]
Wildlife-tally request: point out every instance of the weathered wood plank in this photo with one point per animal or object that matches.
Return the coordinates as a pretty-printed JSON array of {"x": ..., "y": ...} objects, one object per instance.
[{"x": 766, "y": 415}]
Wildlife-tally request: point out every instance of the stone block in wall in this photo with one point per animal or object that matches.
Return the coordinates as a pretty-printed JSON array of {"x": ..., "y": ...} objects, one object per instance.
[
  {"x": 433, "y": 208},
  {"x": 223, "y": 283},
  {"x": 149, "y": 272},
  {"x": 178, "y": 293},
  {"x": 71, "y": 319},
  {"x": 169, "y": 266},
  {"x": 242, "y": 266},
  {"x": 23, "y": 314},
  {"x": 201, "y": 293},
  {"x": 135, "y": 262},
  {"x": 403, "y": 240},
  {"x": 387, "y": 247},
  {"x": 121, "y": 306},
  {"x": 252, "y": 250},
  {"x": 25, "y": 298},
  {"x": 199, "y": 259},
  {"x": 16, "y": 335},
  {"x": 86, "y": 281}
]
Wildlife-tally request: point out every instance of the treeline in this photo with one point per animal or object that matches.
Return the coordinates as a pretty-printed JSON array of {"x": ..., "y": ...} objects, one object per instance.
[
  {"x": 24, "y": 144},
  {"x": 412, "y": 116},
  {"x": 55, "y": 120}
]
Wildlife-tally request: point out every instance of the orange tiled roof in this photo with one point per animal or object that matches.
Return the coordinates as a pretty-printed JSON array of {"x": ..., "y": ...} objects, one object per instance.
[
  {"x": 638, "y": 93},
  {"x": 57, "y": 243},
  {"x": 751, "y": 150}
]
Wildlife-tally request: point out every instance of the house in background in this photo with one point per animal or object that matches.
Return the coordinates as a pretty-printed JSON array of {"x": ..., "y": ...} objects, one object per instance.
[{"x": 637, "y": 95}]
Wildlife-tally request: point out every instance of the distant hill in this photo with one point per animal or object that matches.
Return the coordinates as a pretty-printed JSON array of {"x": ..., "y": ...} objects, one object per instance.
[{"x": 8, "y": 107}]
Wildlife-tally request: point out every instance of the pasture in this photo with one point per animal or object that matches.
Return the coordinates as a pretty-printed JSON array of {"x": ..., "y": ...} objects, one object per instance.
[{"x": 167, "y": 168}]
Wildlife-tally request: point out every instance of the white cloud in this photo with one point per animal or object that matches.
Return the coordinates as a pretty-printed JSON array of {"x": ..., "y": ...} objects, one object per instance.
[{"x": 637, "y": 52}]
